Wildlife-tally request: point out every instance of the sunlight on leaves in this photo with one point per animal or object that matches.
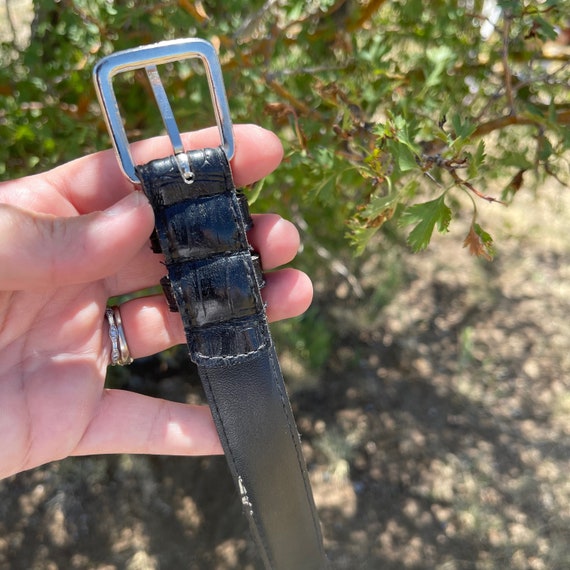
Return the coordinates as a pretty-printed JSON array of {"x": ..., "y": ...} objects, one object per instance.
[{"x": 426, "y": 216}]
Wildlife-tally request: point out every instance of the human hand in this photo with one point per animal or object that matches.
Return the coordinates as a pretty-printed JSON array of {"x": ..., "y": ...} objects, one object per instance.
[{"x": 70, "y": 239}]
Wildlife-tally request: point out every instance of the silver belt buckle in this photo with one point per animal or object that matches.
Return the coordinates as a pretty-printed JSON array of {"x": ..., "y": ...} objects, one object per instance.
[{"x": 149, "y": 57}]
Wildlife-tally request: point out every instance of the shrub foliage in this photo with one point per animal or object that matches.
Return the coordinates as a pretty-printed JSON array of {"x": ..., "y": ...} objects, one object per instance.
[{"x": 396, "y": 115}]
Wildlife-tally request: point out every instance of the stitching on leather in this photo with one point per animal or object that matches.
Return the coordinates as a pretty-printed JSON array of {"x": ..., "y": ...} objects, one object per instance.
[
  {"x": 209, "y": 160},
  {"x": 230, "y": 358}
]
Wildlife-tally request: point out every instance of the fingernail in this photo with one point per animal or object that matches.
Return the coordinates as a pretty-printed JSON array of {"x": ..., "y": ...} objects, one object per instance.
[{"x": 128, "y": 203}]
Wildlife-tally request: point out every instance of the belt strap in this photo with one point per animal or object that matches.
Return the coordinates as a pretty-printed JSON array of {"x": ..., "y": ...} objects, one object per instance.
[{"x": 214, "y": 282}]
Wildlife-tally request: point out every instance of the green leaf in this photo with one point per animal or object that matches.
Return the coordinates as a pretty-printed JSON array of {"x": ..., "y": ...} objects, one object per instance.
[
  {"x": 378, "y": 205},
  {"x": 256, "y": 191},
  {"x": 359, "y": 236},
  {"x": 552, "y": 117},
  {"x": 402, "y": 126},
  {"x": 516, "y": 159},
  {"x": 325, "y": 191},
  {"x": 545, "y": 150},
  {"x": 463, "y": 129},
  {"x": 403, "y": 154},
  {"x": 24, "y": 133},
  {"x": 544, "y": 29},
  {"x": 476, "y": 160},
  {"x": 406, "y": 159},
  {"x": 426, "y": 216},
  {"x": 441, "y": 58},
  {"x": 324, "y": 158}
]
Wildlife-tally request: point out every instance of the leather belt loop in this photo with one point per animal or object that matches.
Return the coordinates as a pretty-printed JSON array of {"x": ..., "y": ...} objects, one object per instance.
[{"x": 214, "y": 281}]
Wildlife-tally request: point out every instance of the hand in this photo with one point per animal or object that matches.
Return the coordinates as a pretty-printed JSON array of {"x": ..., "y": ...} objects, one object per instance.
[{"x": 72, "y": 238}]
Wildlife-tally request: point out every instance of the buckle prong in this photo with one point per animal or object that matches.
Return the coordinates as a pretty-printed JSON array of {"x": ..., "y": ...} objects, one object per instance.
[
  {"x": 149, "y": 57},
  {"x": 169, "y": 123}
]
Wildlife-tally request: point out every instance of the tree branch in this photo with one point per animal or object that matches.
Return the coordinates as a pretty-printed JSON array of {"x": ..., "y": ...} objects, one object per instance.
[
  {"x": 299, "y": 106},
  {"x": 367, "y": 12},
  {"x": 460, "y": 182},
  {"x": 562, "y": 118}
]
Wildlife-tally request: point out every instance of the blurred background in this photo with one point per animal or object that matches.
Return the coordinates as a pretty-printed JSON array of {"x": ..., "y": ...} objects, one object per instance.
[{"x": 427, "y": 168}]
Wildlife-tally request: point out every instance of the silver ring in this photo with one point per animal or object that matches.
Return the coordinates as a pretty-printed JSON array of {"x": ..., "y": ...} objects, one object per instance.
[{"x": 120, "y": 353}]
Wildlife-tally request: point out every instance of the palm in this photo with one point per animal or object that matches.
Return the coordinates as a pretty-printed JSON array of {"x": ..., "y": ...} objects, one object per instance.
[
  {"x": 60, "y": 267},
  {"x": 55, "y": 356}
]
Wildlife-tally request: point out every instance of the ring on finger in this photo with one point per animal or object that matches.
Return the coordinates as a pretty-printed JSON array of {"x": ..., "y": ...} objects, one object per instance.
[{"x": 120, "y": 353}]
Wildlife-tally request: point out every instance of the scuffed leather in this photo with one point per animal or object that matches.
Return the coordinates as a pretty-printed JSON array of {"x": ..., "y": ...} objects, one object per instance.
[{"x": 214, "y": 281}]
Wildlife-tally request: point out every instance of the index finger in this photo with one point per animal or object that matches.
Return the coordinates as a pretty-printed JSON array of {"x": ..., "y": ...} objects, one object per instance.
[{"x": 95, "y": 182}]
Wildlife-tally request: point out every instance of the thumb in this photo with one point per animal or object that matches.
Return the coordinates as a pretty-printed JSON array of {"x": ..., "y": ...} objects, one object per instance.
[{"x": 39, "y": 250}]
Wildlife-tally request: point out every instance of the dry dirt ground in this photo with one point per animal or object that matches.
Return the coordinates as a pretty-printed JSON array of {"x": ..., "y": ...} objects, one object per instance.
[{"x": 437, "y": 432}]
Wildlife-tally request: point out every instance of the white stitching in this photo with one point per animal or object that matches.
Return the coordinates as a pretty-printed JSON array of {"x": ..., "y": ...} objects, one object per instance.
[{"x": 230, "y": 358}]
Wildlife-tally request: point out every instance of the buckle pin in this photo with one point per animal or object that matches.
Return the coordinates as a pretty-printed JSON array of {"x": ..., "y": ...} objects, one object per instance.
[
  {"x": 148, "y": 57},
  {"x": 169, "y": 123}
]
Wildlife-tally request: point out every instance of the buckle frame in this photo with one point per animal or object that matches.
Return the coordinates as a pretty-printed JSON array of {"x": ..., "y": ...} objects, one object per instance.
[{"x": 149, "y": 57}]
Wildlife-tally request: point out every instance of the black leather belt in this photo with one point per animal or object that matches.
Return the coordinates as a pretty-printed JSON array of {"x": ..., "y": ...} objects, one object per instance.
[{"x": 214, "y": 281}]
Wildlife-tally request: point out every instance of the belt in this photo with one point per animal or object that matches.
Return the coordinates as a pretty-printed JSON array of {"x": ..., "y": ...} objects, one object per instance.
[{"x": 214, "y": 280}]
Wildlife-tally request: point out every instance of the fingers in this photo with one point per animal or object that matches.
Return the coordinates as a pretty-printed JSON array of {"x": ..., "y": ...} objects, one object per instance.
[
  {"x": 276, "y": 239},
  {"x": 95, "y": 182},
  {"x": 76, "y": 249},
  {"x": 288, "y": 293},
  {"x": 39, "y": 250},
  {"x": 126, "y": 422},
  {"x": 151, "y": 328}
]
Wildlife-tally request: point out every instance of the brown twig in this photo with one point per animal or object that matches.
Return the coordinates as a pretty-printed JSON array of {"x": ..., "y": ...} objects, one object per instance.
[
  {"x": 284, "y": 111},
  {"x": 562, "y": 118},
  {"x": 551, "y": 172},
  {"x": 367, "y": 12},
  {"x": 195, "y": 9},
  {"x": 460, "y": 182},
  {"x": 299, "y": 106},
  {"x": 451, "y": 166}
]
